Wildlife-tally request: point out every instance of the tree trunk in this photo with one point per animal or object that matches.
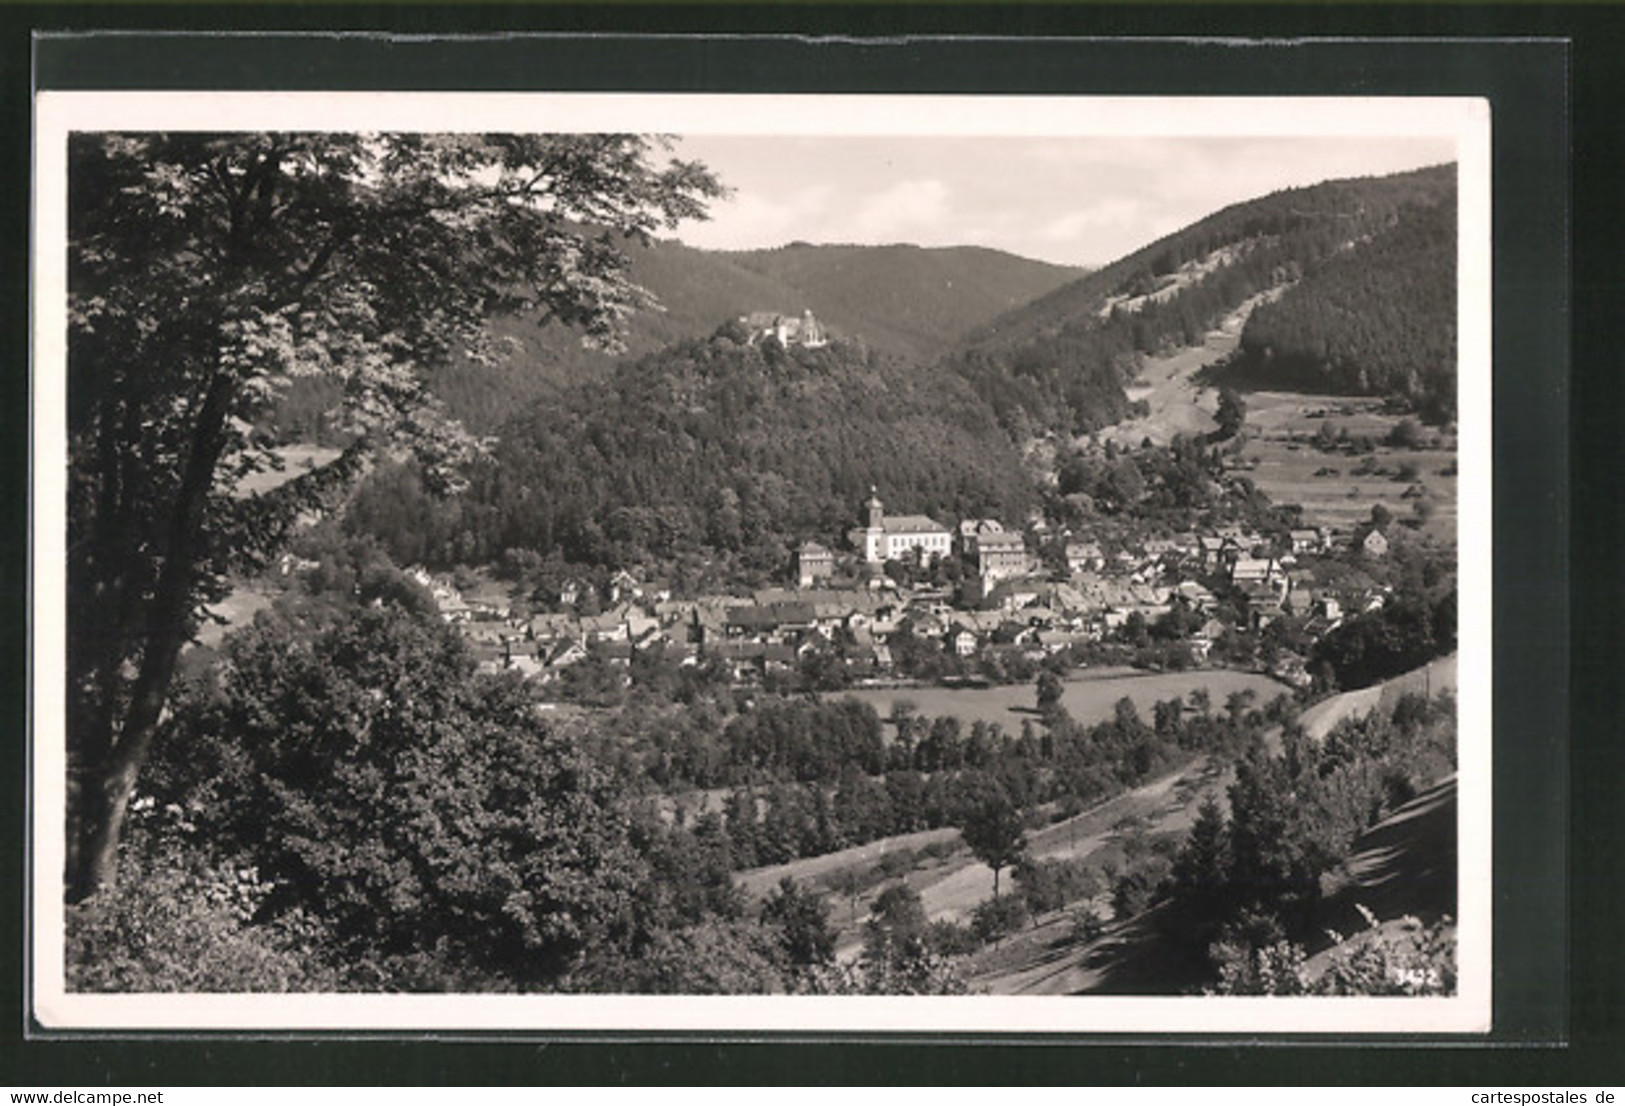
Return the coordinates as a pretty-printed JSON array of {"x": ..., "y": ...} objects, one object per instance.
[{"x": 105, "y": 792}]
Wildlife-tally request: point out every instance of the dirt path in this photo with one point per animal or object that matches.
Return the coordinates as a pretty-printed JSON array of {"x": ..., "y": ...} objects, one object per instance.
[
  {"x": 1177, "y": 405},
  {"x": 952, "y": 887},
  {"x": 1430, "y": 679},
  {"x": 760, "y": 881}
]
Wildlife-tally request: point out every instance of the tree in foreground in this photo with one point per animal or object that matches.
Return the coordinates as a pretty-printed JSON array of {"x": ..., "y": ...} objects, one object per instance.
[
  {"x": 994, "y": 830},
  {"x": 205, "y": 273},
  {"x": 436, "y": 827}
]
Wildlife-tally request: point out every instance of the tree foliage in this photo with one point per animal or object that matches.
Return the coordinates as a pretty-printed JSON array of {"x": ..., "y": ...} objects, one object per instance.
[
  {"x": 416, "y": 808},
  {"x": 1231, "y": 414}
]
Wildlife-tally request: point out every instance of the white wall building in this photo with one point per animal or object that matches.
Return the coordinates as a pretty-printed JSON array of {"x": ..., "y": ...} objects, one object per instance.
[{"x": 887, "y": 538}]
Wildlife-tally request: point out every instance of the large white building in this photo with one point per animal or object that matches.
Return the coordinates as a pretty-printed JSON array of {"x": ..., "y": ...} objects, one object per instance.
[
  {"x": 999, "y": 553},
  {"x": 887, "y": 538}
]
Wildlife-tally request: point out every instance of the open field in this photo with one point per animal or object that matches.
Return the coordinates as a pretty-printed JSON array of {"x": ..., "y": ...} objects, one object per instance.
[
  {"x": 1339, "y": 489},
  {"x": 1278, "y": 455},
  {"x": 1090, "y": 697}
]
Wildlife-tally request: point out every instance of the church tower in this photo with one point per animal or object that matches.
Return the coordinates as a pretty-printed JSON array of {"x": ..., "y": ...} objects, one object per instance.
[{"x": 877, "y": 513}]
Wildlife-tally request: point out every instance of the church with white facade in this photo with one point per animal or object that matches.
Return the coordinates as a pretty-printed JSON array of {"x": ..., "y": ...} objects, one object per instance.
[{"x": 886, "y": 538}]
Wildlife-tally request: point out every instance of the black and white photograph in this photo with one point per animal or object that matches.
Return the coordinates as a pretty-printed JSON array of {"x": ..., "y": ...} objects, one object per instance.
[{"x": 843, "y": 563}]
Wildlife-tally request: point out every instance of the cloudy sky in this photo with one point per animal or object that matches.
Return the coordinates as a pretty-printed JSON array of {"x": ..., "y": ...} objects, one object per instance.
[{"x": 1076, "y": 201}]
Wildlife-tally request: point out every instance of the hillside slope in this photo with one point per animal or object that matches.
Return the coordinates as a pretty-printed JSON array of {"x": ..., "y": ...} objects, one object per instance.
[
  {"x": 1059, "y": 362},
  {"x": 1376, "y": 319},
  {"x": 1306, "y": 225}
]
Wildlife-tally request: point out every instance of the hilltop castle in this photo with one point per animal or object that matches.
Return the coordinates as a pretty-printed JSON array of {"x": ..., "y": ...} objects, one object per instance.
[{"x": 790, "y": 331}]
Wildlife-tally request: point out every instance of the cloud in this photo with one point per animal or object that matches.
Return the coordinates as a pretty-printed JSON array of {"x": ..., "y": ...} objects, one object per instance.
[
  {"x": 751, "y": 219},
  {"x": 895, "y": 213},
  {"x": 1082, "y": 200},
  {"x": 1114, "y": 214}
]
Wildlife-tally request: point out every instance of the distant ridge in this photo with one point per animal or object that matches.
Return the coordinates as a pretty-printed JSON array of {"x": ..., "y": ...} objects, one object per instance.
[{"x": 912, "y": 302}]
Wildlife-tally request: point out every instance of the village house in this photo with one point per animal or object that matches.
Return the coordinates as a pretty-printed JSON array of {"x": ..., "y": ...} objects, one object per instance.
[
  {"x": 1197, "y": 597},
  {"x": 1374, "y": 544},
  {"x": 606, "y": 627},
  {"x": 1263, "y": 603},
  {"x": 289, "y": 564},
  {"x": 1290, "y": 668},
  {"x": 814, "y": 564},
  {"x": 1203, "y": 640},
  {"x": 1160, "y": 548},
  {"x": 1000, "y": 554},
  {"x": 624, "y": 586},
  {"x": 565, "y": 654},
  {"x": 963, "y": 641},
  {"x": 1246, "y": 570},
  {"x": 1307, "y": 541},
  {"x": 885, "y": 539}
]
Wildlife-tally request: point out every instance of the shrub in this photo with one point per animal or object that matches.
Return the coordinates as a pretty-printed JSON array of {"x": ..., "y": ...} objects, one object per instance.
[
  {"x": 1087, "y": 924},
  {"x": 994, "y": 918},
  {"x": 952, "y": 938},
  {"x": 1273, "y": 969},
  {"x": 175, "y": 922},
  {"x": 1138, "y": 887},
  {"x": 1406, "y": 434}
]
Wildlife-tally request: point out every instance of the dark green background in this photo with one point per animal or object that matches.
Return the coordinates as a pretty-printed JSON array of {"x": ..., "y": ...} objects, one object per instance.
[{"x": 1558, "y": 981}]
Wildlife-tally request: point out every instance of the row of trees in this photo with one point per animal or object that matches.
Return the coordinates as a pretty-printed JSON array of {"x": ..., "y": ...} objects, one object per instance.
[{"x": 937, "y": 774}]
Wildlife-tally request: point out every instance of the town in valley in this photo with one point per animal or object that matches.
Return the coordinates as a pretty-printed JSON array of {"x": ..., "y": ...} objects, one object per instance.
[{"x": 871, "y": 618}]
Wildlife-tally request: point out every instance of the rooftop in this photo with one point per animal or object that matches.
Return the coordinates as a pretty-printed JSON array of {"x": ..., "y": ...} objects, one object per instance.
[{"x": 911, "y": 524}]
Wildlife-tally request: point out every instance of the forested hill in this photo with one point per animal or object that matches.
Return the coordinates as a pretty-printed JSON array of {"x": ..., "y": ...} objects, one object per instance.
[
  {"x": 1378, "y": 319},
  {"x": 904, "y": 300},
  {"x": 712, "y": 450},
  {"x": 1059, "y": 361}
]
